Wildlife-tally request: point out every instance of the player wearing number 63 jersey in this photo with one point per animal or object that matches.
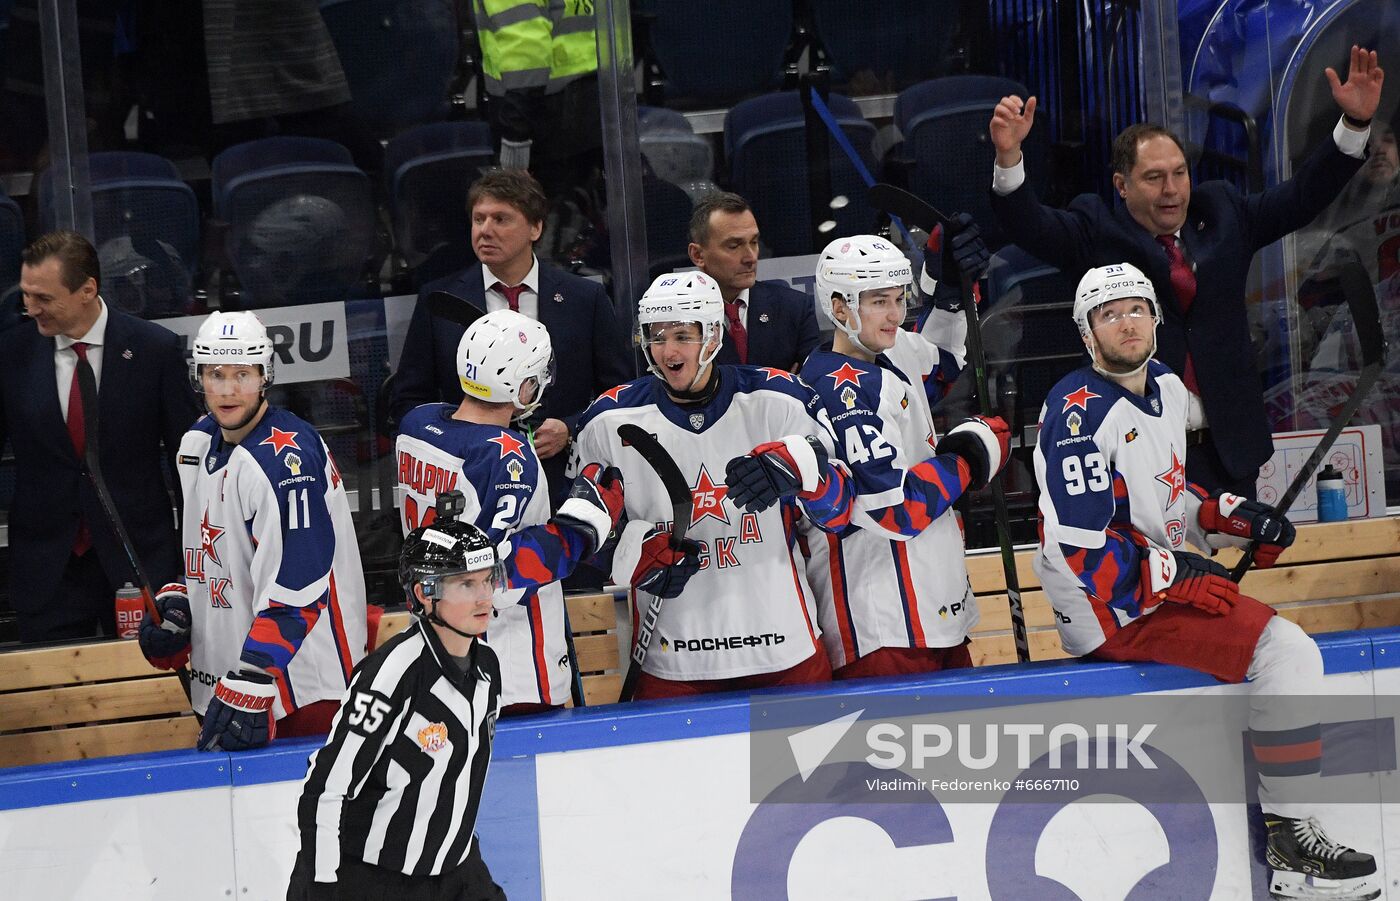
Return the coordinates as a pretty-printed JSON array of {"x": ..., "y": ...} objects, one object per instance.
[
  {"x": 276, "y": 595},
  {"x": 892, "y": 588},
  {"x": 505, "y": 363},
  {"x": 1116, "y": 513},
  {"x": 756, "y": 448}
]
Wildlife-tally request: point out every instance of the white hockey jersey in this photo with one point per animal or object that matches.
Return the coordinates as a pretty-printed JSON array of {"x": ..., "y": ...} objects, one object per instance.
[
  {"x": 506, "y": 490},
  {"x": 896, "y": 577},
  {"x": 1112, "y": 473},
  {"x": 749, "y": 609},
  {"x": 271, "y": 562}
]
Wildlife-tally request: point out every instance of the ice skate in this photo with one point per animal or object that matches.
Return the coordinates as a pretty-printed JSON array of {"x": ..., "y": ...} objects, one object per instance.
[{"x": 1308, "y": 864}]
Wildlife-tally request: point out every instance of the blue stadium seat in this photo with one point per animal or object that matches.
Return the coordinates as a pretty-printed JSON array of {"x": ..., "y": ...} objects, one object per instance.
[
  {"x": 429, "y": 169},
  {"x": 889, "y": 45},
  {"x": 300, "y": 218},
  {"x": 11, "y": 241},
  {"x": 944, "y": 124},
  {"x": 765, "y": 144},
  {"x": 146, "y": 225},
  {"x": 399, "y": 57},
  {"x": 667, "y": 209},
  {"x": 717, "y": 52}
]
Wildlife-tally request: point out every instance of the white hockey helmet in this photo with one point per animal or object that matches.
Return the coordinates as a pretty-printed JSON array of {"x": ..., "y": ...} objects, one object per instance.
[
  {"x": 499, "y": 354},
  {"x": 238, "y": 339},
  {"x": 683, "y": 297},
  {"x": 859, "y": 263},
  {"x": 1106, "y": 284}
]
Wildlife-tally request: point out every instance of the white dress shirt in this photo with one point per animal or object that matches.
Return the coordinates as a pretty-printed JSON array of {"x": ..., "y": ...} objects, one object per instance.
[
  {"x": 65, "y": 358},
  {"x": 529, "y": 298}
]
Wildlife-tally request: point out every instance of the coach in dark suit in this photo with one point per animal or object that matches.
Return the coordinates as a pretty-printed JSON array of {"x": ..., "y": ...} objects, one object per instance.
[
  {"x": 1196, "y": 246},
  {"x": 590, "y": 352},
  {"x": 765, "y": 323},
  {"x": 65, "y": 561}
]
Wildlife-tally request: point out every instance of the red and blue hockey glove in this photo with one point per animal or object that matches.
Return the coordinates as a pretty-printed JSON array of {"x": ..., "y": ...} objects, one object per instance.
[
  {"x": 664, "y": 567},
  {"x": 984, "y": 442},
  {"x": 1186, "y": 578},
  {"x": 594, "y": 504},
  {"x": 239, "y": 715},
  {"x": 167, "y": 645},
  {"x": 1230, "y": 514},
  {"x": 775, "y": 470}
]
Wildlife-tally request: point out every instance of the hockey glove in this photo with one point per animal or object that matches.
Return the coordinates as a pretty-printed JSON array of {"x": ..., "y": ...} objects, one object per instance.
[
  {"x": 594, "y": 505},
  {"x": 239, "y": 715},
  {"x": 954, "y": 249},
  {"x": 1185, "y": 578},
  {"x": 984, "y": 442},
  {"x": 778, "y": 469},
  {"x": 167, "y": 646},
  {"x": 663, "y": 569},
  {"x": 1230, "y": 514}
]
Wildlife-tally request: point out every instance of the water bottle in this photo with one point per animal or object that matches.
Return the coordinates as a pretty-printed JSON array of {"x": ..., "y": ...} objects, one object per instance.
[
  {"x": 130, "y": 611},
  {"x": 1331, "y": 495}
]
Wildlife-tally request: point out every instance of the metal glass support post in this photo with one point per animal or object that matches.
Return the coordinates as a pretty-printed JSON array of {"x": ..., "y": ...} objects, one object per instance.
[
  {"x": 1161, "y": 66},
  {"x": 622, "y": 158},
  {"x": 67, "y": 116}
]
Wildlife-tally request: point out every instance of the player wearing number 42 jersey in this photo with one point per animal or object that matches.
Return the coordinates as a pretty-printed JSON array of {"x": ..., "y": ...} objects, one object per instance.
[
  {"x": 272, "y": 611},
  {"x": 505, "y": 362},
  {"x": 892, "y": 588},
  {"x": 756, "y": 447},
  {"x": 1116, "y": 514}
]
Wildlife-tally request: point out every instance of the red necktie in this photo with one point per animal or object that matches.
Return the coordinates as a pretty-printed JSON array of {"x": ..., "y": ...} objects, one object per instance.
[
  {"x": 512, "y": 295},
  {"x": 737, "y": 330},
  {"x": 77, "y": 431},
  {"x": 1184, "y": 287}
]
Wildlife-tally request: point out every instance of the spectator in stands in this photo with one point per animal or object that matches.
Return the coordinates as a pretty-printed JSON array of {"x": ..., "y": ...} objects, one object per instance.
[
  {"x": 1197, "y": 252},
  {"x": 65, "y": 560},
  {"x": 765, "y": 323},
  {"x": 508, "y": 208}
]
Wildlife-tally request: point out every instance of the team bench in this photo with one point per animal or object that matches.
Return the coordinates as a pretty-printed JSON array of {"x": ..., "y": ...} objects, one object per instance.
[{"x": 102, "y": 699}]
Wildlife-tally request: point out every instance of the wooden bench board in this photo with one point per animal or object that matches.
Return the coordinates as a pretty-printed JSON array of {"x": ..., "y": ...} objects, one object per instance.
[
  {"x": 107, "y": 740},
  {"x": 92, "y": 703}
]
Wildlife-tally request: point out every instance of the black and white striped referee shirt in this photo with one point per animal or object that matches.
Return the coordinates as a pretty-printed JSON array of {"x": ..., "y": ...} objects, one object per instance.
[{"x": 399, "y": 780}]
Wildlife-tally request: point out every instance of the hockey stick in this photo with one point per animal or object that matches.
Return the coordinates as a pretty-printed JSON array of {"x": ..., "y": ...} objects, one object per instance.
[
  {"x": 678, "y": 490},
  {"x": 87, "y": 389},
  {"x": 896, "y": 201},
  {"x": 446, "y": 305},
  {"x": 1365, "y": 315}
]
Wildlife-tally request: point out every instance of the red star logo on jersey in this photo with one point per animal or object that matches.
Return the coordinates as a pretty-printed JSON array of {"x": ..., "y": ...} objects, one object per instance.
[
  {"x": 1175, "y": 479},
  {"x": 1079, "y": 399},
  {"x": 613, "y": 393},
  {"x": 208, "y": 535},
  {"x": 707, "y": 499},
  {"x": 509, "y": 444},
  {"x": 847, "y": 373},
  {"x": 280, "y": 440},
  {"x": 774, "y": 373}
]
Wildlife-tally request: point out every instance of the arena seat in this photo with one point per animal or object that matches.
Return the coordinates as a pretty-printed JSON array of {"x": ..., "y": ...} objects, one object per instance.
[
  {"x": 717, "y": 52},
  {"x": 428, "y": 169},
  {"x": 399, "y": 57},
  {"x": 300, "y": 216},
  {"x": 11, "y": 241},
  {"x": 146, "y": 229},
  {"x": 667, "y": 208},
  {"x": 885, "y": 46},
  {"x": 766, "y": 145},
  {"x": 944, "y": 125}
]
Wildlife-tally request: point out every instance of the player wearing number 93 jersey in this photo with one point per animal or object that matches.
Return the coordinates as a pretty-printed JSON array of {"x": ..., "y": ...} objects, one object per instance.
[{"x": 505, "y": 363}]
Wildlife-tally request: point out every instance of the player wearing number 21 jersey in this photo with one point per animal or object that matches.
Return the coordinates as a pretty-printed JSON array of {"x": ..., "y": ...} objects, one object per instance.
[
  {"x": 505, "y": 363},
  {"x": 892, "y": 588},
  {"x": 756, "y": 449}
]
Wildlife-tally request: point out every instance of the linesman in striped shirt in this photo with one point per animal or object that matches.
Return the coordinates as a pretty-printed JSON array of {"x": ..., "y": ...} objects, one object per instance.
[{"x": 389, "y": 804}]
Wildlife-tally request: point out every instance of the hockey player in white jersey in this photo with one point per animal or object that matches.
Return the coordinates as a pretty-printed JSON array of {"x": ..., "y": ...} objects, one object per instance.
[
  {"x": 272, "y": 611},
  {"x": 756, "y": 447},
  {"x": 892, "y": 588},
  {"x": 505, "y": 362},
  {"x": 1117, "y": 512}
]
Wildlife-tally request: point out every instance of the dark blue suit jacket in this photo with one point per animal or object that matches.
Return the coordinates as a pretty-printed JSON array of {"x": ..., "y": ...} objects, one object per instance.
[
  {"x": 144, "y": 399},
  {"x": 1224, "y": 228},
  {"x": 782, "y": 327},
  {"x": 590, "y": 351}
]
